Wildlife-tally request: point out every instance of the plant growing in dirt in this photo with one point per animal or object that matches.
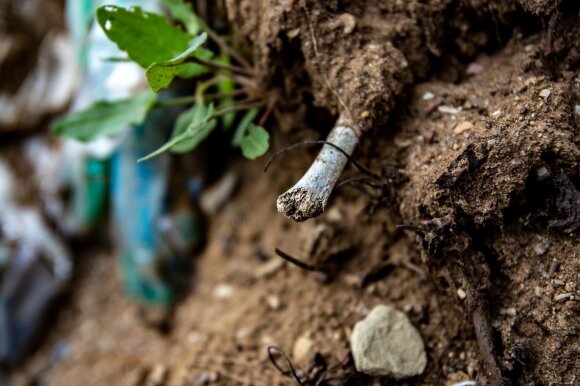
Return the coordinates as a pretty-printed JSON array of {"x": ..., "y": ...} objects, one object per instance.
[{"x": 225, "y": 83}]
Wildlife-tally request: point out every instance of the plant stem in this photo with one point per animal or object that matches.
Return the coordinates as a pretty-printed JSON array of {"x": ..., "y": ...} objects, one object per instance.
[
  {"x": 177, "y": 101},
  {"x": 220, "y": 95},
  {"x": 269, "y": 108},
  {"x": 220, "y": 66},
  {"x": 247, "y": 82},
  {"x": 242, "y": 105},
  {"x": 225, "y": 47}
]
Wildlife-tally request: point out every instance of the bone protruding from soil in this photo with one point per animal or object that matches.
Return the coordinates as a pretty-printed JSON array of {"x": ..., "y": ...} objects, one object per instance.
[{"x": 308, "y": 198}]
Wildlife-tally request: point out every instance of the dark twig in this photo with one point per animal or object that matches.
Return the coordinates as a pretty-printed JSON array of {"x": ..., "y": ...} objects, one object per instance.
[
  {"x": 241, "y": 105},
  {"x": 249, "y": 83},
  {"x": 291, "y": 372},
  {"x": 225, "y": 47},
  {"x": 269, "y": 109},
  {"x": 295, "y": 261},
  {"x": 376, "y": 273},
  {"x": 360, "y": 181},
  {"x": 358, "y": 186},
  {"x": 413, "y": 228}
]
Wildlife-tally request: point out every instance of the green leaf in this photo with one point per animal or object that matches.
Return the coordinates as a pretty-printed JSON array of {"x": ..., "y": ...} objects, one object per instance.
[
  {"x": 146, "y": 37},
  {"x": 243, "y": 125},
  {"x": 191, "y": 127},
  {"x": 164, "y": 148},
  {"x": 160, "y": 74},
  {"x": 255, "y": 143},
  {"x": 200, "y": 125},
  {"x": 184, "y": 13},
  {"x": 195, "y": 137},
  {"x": 227, "y": 85},
  {"x": 105, "y": 118},
  {"x": 190, "y": 70}
]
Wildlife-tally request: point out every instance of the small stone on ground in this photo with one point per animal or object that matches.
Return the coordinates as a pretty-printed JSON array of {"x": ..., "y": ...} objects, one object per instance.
[{"x": 385, "y": 343}]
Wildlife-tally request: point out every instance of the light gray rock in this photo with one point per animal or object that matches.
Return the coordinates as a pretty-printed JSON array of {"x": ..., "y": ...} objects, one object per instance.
[{"x": 386, "y": 343}]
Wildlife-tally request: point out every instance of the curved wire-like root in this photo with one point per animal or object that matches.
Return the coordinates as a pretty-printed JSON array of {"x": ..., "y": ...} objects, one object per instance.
[{"x": 308, "y": 198}]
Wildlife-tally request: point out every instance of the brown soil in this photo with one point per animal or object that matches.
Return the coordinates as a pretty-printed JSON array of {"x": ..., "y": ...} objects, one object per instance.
[{"x": 480, "y": 164}]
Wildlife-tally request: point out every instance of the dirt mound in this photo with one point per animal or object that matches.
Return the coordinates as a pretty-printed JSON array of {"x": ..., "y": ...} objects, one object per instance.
[{"x": 497, "y": 162}]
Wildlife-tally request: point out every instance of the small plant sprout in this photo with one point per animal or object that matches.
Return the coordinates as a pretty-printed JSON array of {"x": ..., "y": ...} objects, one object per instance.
[
  {"x": 225, "y": 82},
  {"x": 308, "y": 198}
]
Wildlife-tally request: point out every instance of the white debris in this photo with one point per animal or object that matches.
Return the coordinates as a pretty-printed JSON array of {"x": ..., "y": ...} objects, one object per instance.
[
  {"x": 428, "y": 96},
  {"x": 449, "y": 110}
]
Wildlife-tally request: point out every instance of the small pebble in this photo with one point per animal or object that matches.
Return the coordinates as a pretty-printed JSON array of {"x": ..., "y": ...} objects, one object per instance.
[
  {"x": 428, "y": 135},
  {"x": 302, "y": 348},
  {"x": 351, "y": 280},
  {"x": 334, "y": 214},
  {"x": 293, "y": 33},
  {"x": 386, "y": 343},
  {"x": 496, "y": 113},
  {"x": 508, "y": 311},
  {"x": 269, "y": 268},
  {"x": 462, "y": 126},
  {"x": 206, "y": 378},
  {"x": 466, "y": 383},
  {"x": 157, "y": 376},
  {"x": 531, "y": 81},
  {"x": 545, "y": 93},
  {"x": 448, "y": 110},
  {"x": 543, "y": 173},
  {"x": 223, "y": 291},
  {"x": 474, "y": 69},
  {"x": 461, "y": 293},
  {"x": 273, "y": 302},
  {"x": 562, "y": 297},
  {"x": 428, "y": 96},
  {"x": 541, "y": 247},
  {"x": 348, "y": 21}
]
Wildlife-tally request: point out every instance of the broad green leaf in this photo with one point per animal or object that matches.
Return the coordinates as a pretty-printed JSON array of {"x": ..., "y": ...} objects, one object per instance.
[
  {"x": 186, "y": 137},
  {"x": 243, "y": 126},
  {"x": 160, "y": 74},
  {"x": 146, "y": 37},
  {"x": 190, "y": 70},
  {"x": 255, "y": 143},
  {"x": 183, "y": 12},
  {"x": 105, "y": 118}
]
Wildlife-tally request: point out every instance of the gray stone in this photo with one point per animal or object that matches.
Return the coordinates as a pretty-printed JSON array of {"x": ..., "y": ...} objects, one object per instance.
[{"x": 386, "y": 343}]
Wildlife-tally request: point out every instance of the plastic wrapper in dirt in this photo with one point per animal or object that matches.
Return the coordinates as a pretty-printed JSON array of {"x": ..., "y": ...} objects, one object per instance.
[{"x": 34, "y": 269}]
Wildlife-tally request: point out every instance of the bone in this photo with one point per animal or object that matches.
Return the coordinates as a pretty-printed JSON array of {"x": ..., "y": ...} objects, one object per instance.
[{"x": 309, "y": 197}]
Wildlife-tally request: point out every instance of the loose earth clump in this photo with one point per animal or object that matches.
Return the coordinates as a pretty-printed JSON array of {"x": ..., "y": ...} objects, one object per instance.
[{"x": 469, "y": 115}]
